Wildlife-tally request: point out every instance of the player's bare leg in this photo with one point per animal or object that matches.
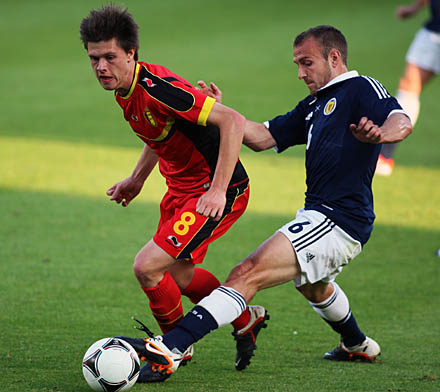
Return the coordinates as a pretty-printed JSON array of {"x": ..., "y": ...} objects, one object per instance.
[
  {"x": 274, "y": 262},
  {"x": 151, "y": 268},
  {"x": 414, "y": 79},
  {"x": 316, "y": 292},
  {"x": 182, "y": 272},
  {"x": 410, "y": 87},
  {"x": 150, "y": 265}
]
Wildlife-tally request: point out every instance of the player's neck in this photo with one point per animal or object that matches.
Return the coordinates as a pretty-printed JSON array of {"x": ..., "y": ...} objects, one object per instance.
[{"x": 129, "y": 80}]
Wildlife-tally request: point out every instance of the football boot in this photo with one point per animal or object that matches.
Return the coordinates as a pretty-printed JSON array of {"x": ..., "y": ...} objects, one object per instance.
[
  {"x": 148, "y": 375},
  {"x": 162, "y": 359},
  {"x": 247, "y": 336},
  {"x": 367, "y": 351}
]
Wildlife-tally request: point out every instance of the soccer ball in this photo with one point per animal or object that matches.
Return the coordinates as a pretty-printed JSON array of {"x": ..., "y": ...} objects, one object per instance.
[{"x": 110, "y": 365}]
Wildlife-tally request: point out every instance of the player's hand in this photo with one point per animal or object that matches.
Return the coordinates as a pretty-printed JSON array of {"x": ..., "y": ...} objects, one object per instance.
[
  {"x": 405, "y": 11},
  {"x": 213, "y": 91},
  {"x": 212, "y": 204},
  {"x": 366, "y": 131},
  {"x": 124, "y": 191}
]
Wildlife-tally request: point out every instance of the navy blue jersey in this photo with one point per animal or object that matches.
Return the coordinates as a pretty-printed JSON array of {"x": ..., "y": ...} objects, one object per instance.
[
  {"x": 339, "y": 167},
  {"x": 434, "y": 23}
]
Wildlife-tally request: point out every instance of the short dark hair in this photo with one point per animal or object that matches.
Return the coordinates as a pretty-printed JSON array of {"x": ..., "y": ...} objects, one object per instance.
[
  {"x": 112, "y": 21},
  {"x": 328, "y": 37}
]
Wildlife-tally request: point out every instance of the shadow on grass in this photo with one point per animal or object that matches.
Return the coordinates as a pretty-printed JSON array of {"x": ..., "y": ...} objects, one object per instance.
[{"x": 67, "y": 281}]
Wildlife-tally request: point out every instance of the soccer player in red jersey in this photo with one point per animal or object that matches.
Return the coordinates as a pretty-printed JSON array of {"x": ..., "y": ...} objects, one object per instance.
[{"x": 196, "y": 142}]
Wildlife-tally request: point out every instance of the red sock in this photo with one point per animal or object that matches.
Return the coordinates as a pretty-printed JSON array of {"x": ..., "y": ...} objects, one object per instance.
[
  {"x": 165, "y": 303},
  {"x": 202, "y": 284},
  {"x": 241, "y": 321}
]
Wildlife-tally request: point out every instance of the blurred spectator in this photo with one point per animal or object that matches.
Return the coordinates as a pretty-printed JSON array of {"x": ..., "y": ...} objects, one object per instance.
[{"x": 422, "y": 63}]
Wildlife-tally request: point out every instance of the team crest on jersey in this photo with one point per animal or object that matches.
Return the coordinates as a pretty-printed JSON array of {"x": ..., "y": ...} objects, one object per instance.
[{"x": 330, "y": 107}]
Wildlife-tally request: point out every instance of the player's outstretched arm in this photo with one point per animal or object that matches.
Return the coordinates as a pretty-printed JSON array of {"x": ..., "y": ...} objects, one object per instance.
[
  {"x": 126, "y": 190},
  {"x": 257, "y": 137},
  {"x": 395, "y": 128}
]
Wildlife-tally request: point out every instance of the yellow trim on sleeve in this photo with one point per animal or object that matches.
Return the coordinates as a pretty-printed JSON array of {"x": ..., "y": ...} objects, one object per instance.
[{"x": 206, "y": 109}]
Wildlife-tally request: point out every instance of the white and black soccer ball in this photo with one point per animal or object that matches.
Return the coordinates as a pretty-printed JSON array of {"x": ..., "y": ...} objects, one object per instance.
[{"x": 110, "y": 365}]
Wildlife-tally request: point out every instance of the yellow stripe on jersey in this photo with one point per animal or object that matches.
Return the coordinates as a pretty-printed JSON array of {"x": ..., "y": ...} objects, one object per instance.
[
  {"x": 206, "y": 109},
  {"x": 165, "y": 131},
  {"x": 133, "y": 84}
]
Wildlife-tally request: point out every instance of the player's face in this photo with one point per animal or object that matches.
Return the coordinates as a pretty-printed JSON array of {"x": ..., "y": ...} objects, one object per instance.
[
  {"x": 113, "y": 67},
  {"x": 313, "y": 68}
]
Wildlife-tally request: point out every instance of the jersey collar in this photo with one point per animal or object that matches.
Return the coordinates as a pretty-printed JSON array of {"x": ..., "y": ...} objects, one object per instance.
[
  {"x": 133, "y": 84},
  {"x": 340, "y": 78}
]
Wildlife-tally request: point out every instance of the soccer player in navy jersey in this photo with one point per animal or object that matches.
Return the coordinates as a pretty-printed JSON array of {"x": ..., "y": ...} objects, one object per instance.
[
  {"x": 195, "y": 141},
  {"x": 422, "y": 64},
  {"x": 343, "y": 123}
]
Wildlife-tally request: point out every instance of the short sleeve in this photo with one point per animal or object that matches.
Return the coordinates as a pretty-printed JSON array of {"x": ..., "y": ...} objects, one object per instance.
[
  {"x": 289, "y": 129},
  {"x": 174, "y": 97},
  {"x": 374, "y": 101},
  {"x": 206, "y": 109}
]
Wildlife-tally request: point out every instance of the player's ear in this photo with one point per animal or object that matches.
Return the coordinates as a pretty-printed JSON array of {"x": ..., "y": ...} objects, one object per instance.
[
  {"x": 131, "y": 52},
  {"x": 334, "y": 57}
]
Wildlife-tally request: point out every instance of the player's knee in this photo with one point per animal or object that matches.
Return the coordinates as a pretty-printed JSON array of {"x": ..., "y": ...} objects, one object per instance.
[
  {"x": 245, "y": 277},
  {"x": 304, "y": 290},
  {"x": 240, "y": 271},
  {"x": 317, "y": 292},
  {"x": 143, "y": 266},
  {"x": 138, "y": 268}
]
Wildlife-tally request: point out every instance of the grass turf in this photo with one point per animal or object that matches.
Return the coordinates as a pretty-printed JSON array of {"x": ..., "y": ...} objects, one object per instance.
[{"x": 66, "y": 252}]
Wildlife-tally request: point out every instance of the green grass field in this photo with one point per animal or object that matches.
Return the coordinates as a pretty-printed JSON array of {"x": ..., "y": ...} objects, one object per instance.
[{"x": 66, "y": 252}]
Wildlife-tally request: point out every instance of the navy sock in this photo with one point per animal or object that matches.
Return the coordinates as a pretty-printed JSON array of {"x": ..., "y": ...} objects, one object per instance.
[
  {"x": 349, "y": 330},
  {"x": 194, "y": 326}
]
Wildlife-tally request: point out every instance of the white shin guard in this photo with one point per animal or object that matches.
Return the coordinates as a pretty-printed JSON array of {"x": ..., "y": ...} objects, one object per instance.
[
  {"x": 336, "y": 308},
  {"x": 224, "y": 304}
]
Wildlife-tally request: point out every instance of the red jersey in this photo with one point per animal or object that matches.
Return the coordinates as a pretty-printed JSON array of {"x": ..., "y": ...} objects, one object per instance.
[{"x": 169, "y": 114}]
